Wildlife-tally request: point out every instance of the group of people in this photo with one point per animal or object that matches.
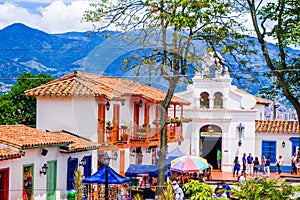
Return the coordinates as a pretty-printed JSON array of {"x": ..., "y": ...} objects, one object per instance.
[
  {"x": 222, "y": 190},
  {"x": 250, "y": 166}
]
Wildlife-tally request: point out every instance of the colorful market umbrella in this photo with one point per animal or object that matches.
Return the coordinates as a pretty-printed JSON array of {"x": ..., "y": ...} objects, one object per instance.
[{"x": 189, "y": 164}]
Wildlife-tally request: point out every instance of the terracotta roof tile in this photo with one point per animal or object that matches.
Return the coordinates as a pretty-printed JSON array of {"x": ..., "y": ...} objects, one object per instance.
[
  {"x": 258, "y": 100},
  {"x": 6, "y": 154},
  {"x": 85, "y": 84},
  {"x": 24, "y": 137},
  {"x": 277, "y": 126}
]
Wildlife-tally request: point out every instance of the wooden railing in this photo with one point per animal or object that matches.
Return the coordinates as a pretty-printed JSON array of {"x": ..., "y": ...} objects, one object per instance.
[{"x": 139, "y": 133}]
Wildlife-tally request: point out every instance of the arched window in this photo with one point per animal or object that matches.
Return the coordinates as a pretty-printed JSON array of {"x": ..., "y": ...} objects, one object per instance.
[
  {"x": 204, "y": 100},
  {"x": 218, "y": 100}
]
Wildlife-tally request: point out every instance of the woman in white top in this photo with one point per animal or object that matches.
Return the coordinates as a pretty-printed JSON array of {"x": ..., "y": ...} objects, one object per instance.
[{"x": 279, "y": 163}]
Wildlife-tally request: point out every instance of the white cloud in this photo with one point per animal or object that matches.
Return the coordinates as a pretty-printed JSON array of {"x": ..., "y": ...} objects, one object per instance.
[
  {"x": 12, "y": 14},
  {"x": 56, "y": 17},
  {"x": 59, "y": 17}
]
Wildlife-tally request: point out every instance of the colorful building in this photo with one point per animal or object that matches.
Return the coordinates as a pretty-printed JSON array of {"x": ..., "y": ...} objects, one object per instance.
[
  {"x": 36, "y": 164},
  {"x": 121, "y": 115}
]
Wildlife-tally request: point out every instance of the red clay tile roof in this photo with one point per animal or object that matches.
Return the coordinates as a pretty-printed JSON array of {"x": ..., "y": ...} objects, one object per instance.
[
  {"x": 85, "y": 84},
  {"x": 276, "y": 126},
  {"x": 258, "y": 100},
  {"x": 6, "y": 154},
  {"x": 24, "y": 137}
]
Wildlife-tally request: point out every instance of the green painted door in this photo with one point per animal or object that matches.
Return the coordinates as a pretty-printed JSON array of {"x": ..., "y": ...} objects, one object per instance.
[{"x": 51, "y": 180}]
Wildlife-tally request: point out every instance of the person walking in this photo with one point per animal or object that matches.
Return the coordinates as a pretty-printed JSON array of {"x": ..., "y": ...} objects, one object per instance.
[
  {"x": 236, "y": 166},
  {"x": 294, "y": 162},
  {"x": 179, "y": 195},
  {"x": 263, "y": 162},
  {"x": 279, "y": 163},
  {"x": 267, "y": 166},
  {"x": 255, "y": 166},
  {"x": 244, "y": 160},
  {"x": 219, "y": 156},
  {"x": 149, "y": 194},
  {"x": 250, "y": 165}
]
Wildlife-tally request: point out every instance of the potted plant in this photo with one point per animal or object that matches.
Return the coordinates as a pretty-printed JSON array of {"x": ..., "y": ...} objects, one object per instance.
[
  {"x": 168, "y": 120},
  {"x": 125, "y": 124},
  {"x": 124, "y": 137},
  {"x": 109, "y": 125}
]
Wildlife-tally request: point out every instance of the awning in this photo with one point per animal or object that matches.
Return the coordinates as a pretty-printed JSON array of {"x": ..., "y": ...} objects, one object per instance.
[
  {"x": 175, "y": 153},
  {"x": 99, "y": 177},
  {"x": 135, "y": 170}
]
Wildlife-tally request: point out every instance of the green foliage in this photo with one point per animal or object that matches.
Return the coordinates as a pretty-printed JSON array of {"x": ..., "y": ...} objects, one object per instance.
[
  {"x": 15, "y": 107},
  {"x": 168, "y": 193},
  {"x": 137, "y": 197},
  {"x": 264, "y": 189},
  {"x": 173, "y": 54},
  {"x": 279, "y": 17},
  {"x": 78, "y": 186},
  {"x": 198, "y": 190},
  {"x": 209, "y": 21}
]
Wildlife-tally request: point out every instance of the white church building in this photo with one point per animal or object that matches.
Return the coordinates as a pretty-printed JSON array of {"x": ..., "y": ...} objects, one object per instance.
[{"x": 222, "y": 117}]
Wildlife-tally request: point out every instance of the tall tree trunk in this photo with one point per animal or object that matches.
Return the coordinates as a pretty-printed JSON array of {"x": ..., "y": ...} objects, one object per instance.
[
  {"x": 280, "y": 74},
  {"x": 164, "y": 138}
]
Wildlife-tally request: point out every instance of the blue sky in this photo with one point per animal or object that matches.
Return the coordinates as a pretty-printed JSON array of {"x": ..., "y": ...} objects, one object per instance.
[{"x": 47, "y": 15}]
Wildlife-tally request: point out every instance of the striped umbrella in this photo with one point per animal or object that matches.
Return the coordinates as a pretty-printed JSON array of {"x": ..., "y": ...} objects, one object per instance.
[{"x": 189, "y": 164}]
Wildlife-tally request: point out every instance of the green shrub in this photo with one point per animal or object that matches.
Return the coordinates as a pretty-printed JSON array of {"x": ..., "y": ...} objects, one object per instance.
[
  {"x": 264, "y": 189},
  {"x": 198, "y": 190}
]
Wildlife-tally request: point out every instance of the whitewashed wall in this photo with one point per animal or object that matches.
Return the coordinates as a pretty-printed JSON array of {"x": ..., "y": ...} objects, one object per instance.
[
  {"x": 34, "y": 157},
  {"x": 237, "y": 109}
]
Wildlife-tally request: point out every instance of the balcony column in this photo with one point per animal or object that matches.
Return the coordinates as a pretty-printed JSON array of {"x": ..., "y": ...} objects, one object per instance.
[{"x": 211, "y": 102}]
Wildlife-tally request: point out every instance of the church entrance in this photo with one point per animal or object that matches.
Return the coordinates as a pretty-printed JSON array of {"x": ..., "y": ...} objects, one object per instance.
[{"x": 210, "y": 142}]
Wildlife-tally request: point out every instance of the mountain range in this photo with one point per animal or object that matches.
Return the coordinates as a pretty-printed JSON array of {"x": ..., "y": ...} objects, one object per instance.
[{"x": 24, "y": 49}]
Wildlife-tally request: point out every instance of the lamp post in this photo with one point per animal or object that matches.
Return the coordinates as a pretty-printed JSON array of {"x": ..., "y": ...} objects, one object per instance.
[{"x": 106, "y": 160}]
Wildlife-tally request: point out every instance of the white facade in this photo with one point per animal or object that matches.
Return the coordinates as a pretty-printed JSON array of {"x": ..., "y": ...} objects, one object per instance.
[
  {"x": 237, "y": 108},
  {"x": 74, "y": 114},
  {"x": 34, "y": 158},
  {"x": 78, "y": 115}
]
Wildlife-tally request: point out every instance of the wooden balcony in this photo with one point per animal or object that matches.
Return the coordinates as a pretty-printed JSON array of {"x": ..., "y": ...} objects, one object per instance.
[
  {"x": 140, "y": 136},
  {"x": 145, "y": 136},
  {"x": 174, "y": 134}
]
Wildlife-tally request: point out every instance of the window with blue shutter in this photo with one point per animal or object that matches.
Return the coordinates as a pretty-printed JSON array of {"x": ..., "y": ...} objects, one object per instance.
[
  {"x": 72, "y": 166},
  {"x": 88, "y": 166}
]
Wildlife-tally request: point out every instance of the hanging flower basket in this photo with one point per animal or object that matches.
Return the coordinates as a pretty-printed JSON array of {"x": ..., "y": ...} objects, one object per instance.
[
  {"x": 186, "y": 120},
  {"x": 124, "y": 137},
  {"x": 124, "y": 127},
  {"x": 168, "y": 120}
]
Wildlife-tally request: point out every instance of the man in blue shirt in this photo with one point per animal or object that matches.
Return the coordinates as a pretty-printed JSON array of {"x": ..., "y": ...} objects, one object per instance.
[
  {"x": 250, "y": 165},
  {"x": 244, "y": 160},
  {"x": 227, "y": 189}
]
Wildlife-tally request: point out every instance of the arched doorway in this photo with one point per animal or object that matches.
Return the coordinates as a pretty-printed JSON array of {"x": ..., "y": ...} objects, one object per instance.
[{"x": 210, "y": 142}]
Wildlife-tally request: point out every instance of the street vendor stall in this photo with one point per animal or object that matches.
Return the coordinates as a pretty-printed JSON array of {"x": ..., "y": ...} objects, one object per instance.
[
  {"x": 143, "y": 178},
  {"x": 99, "y": 178}
]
